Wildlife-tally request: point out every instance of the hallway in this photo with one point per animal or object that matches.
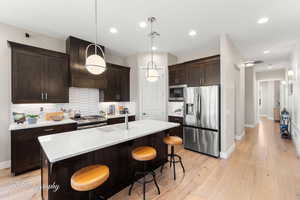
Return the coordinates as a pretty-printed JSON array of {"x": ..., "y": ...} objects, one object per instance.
[{"x": 263, "y": 167}]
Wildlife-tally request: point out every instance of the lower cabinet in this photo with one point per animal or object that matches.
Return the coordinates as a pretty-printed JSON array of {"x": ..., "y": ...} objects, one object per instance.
[
  {"x": 119, "y": 120},
  {"x": 178, "y": 131},
  {"x": 25, "y": 148}
]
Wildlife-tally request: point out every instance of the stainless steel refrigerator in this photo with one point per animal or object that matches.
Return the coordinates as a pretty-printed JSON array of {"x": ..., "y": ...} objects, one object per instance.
[{"x": 201, "y": 120}]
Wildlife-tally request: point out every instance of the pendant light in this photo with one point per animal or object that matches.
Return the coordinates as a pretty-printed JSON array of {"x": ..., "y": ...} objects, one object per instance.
[
  {"x": 94, "y": 63},
  {"x": 152, "y": 74}
]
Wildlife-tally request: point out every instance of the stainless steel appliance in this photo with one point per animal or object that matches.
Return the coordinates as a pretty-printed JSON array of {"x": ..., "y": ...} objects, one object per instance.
[
  {"x": 92, "y": 121},
  {"x": 201, "y": 120},
  {"x": 176, "y": 92}
]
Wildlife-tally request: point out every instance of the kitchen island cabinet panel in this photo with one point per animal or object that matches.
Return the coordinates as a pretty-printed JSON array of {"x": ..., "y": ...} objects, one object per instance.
[{"x": 117, "y": 158}]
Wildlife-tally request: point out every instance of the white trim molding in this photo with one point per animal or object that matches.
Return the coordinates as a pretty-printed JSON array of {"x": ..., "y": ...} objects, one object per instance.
[
  {"x": 5, "y": 164},
  {"x": 228, "y": 152},
  {"x": 241, "y": 136},
  {"x": 296, "y": 137}
]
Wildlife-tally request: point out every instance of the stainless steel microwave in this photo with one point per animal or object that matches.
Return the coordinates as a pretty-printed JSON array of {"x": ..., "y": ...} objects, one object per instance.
[{"x": 176, "y": 92}]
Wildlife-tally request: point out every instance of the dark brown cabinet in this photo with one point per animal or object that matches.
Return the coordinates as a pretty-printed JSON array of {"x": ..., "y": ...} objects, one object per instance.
[
  {"x": 38, "y": 75},
  {"x": 177, "y": 74},
  {"x": 118, "y": 84},
  {"x": 196, "y": 73},
  {"x": 119, "y": 120},
  {"x": 79, "y": 75},
  {"x": 25, "y": 148},
  {"x": 201, "y": 72},
  {"x": 178, "y": 131}
]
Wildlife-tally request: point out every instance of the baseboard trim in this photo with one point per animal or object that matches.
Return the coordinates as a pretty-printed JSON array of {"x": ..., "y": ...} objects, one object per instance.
[
  {"x": 228, "y": 152},
  {"x": 5, "y": 164},
  {"x": 240, "y": 137},
  {"x": 250, "y": 125}
]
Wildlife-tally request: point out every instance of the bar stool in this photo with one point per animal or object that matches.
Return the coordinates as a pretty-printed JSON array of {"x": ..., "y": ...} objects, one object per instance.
[
  {"x": 173, "y": 140},
  {"x": 144, "y": 154},
  {"x": 89, "y": 178}
]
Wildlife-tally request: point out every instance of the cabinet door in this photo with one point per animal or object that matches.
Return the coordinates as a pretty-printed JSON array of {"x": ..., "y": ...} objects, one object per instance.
[
  {"x": 27, "y": 77},
  {"x": 125, "y": 85},
  {"x": 172, "y": 76},
  {"x": 177, "y": 74},
  {"x": 212, "y": 72},
  {"x": 195, "y": 74},
  {"x": 177, "y": 131},
  {"x": 56, "y": 80}
]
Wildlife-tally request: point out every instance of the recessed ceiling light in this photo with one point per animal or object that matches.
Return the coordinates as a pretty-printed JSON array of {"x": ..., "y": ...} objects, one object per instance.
[
  {"x": 270, "y": 67},
  {"x": 113, "y": 30},
  {"x": 154, "y": 48},
  {"x": 143, "y": 24},
  {"x": 263, "y": 20},
  {"x": 192, "y": 33},
  {"x": 266, "y": 51}
]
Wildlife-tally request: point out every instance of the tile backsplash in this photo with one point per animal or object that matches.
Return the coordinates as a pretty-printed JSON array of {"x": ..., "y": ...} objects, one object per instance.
[{"x": 84, "y": 99}]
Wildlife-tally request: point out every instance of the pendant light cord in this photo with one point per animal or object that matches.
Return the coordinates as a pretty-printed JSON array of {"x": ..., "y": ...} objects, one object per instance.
[{"x": 96, "y": 22}]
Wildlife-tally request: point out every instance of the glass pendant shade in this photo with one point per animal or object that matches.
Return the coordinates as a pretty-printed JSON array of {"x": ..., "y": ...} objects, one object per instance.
[
  {"x": 152, "y": 75},
  {"x": 95, "y": 64}
]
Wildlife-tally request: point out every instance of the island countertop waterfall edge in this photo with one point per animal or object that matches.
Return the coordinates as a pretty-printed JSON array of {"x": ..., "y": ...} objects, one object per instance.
[{"x": 108, "y": 145}]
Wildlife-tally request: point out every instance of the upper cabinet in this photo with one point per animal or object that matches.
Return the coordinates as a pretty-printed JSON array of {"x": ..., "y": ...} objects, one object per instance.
[
  {"x": 177, "y": 74},
  {"x": 118, "y": 84},
  {"x": 201, "y": 72},
  {"x": 39, "y": 75},
  {"x": 79, "y": 76}
]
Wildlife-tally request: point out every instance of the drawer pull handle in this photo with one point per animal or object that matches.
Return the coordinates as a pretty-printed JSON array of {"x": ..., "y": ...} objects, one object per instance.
[{"x": 49, "y": 129}]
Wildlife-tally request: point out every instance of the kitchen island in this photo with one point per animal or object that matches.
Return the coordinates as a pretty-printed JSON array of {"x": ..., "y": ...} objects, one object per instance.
[{"x": 65, "y": 153}]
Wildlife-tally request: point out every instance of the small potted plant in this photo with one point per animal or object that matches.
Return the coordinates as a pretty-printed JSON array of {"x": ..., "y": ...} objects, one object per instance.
[{"x": 32, "y": 119}]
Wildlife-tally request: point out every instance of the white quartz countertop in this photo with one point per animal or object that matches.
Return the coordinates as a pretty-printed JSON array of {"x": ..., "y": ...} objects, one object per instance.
[
  {"x": 69, "y": 144},
  {"x": 40, "y": 123},
  {"x": 118, "y": 115}
]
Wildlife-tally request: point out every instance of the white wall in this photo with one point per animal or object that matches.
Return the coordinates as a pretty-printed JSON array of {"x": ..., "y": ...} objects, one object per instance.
[
  {"x": 250, "y": 97},
  {"x": 294, "y": 99},
  {"x": 230, "y": 57},
  {"x": 271, "y": 75},
  {"x": 193, "y": 55}
]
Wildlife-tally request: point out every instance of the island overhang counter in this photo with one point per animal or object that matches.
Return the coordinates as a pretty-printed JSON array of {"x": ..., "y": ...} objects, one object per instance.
[{"x": 65, "y": 153}]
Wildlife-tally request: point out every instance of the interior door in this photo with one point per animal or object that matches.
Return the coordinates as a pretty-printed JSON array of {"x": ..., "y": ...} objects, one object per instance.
[{"x": 153, "y": 97}]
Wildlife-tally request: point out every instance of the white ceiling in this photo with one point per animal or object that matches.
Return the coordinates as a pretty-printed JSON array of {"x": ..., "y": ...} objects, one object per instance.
[{"x": 210, "y": 18}]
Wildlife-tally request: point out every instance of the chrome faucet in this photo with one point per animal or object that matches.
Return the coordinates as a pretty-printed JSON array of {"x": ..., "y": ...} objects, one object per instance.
[{"x": 126, "y": 120}]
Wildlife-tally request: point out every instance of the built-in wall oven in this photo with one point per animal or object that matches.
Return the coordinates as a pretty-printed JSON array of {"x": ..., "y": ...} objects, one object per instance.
[{"x": 176, "y": 92}]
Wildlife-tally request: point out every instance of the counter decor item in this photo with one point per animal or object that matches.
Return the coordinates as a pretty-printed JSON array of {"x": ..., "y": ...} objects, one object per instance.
[
  {"x": 19, "y": 118},
  {"x": 58, "y": 118},
  {"x": 32, "y": 119}
]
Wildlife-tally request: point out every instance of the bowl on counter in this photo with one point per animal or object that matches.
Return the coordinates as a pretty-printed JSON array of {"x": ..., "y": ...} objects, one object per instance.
[{"x": 57, "y": 118}]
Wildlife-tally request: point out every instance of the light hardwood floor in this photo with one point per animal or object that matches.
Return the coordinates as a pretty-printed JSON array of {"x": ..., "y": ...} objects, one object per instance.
[{"x": 263, "y": 167}]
